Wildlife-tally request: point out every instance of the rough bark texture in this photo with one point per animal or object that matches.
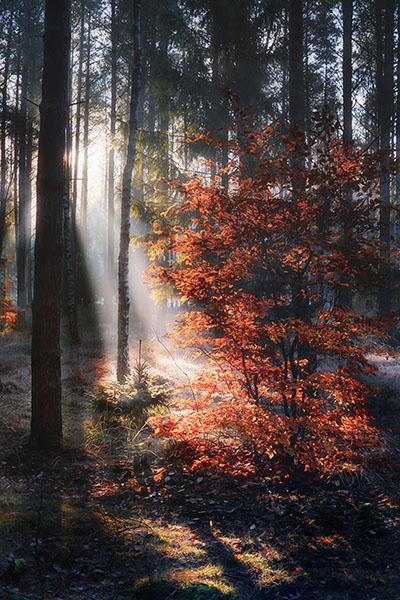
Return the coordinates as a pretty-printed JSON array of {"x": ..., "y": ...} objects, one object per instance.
[
  {"x": 86, "y": 130},
  {"x": 397, "y": 216},
  {"x": 28, "y": 199},
  {"x": 69, "y": 256},
  {"x": 387, "y": 107},
  {"x": 347, "y": 10},
  {"x": 22, "y": 171},
  {"x": 78, "y": 118},
  {"x": 296, "y": 71},
  {"x": 15, "y": 149},
  {"x": 46, "y": 424},
  {"x": 3, "y": 156},
  {"x": 347, "y": 7},
  {"x": 123, "y": 259},
  {"x": 111, "y": 159}
]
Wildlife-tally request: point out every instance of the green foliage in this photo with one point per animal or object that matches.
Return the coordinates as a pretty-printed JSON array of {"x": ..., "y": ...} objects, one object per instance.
[{"x": 140, "y": 393}]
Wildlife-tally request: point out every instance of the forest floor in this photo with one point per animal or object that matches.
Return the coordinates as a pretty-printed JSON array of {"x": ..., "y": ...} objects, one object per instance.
[{"x": 109, "y": 518}]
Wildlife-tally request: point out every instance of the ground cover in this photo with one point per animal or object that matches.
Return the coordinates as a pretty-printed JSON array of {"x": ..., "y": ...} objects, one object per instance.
[{"x": 112, "y": 518}]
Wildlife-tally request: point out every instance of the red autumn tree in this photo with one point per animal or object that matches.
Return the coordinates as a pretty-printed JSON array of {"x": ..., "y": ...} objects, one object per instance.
[{"x": 261, "y": 268}]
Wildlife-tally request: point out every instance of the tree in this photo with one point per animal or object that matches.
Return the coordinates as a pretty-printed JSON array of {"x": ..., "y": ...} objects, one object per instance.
[
  {"x": 3, "y": 126},
  {"x": 245, "y": 259},
  {"x": 123, "y": 259},
  {"x": 296, "y": 70},
  {"x": 24, "y": 175},
  {"x": 386, "y": 103},
  {"x": 46, "y": 423},
  {"x": 108, "y": 269}
]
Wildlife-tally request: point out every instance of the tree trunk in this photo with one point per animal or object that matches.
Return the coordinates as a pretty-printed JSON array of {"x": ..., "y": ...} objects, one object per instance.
[
  {"x": 46, "y": 423},
  {"x": 3, "y": 138},
  {"x": 397, "y": 217},
  {"x": 22, "y": 171},
  {"x": 86, "y": 131},
  {"x": 285, "y": 67},
  {"x": 109, "y": 270},
  {"x": 69, "y": 255},
  {"x": 15, "y": 153},
  {"x": 78, "y": 119},
  {"x": 387, "y": 108},
  {"x": 347, "y": 10},
  {"x": 28, "y": 198},
  {"x": 123, "y": 259},
  {"x": 296, "y": 71}
]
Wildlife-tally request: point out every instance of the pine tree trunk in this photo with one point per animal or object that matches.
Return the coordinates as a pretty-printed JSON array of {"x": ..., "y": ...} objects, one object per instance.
[
  {"x": 29, "y": 156},
  {"x": 78, "y": 119},
  {"x": 296, "y": 71},
  {"x": 397, "y": 217},
  {"x": 69, "y": 255},
  {"x": 347, "y": 10},
  {"x": 22, "y": 171},
  {"x": 123, "y": 259},
  {"x": 86, "y": 131},
  {"x": 46, "y": 423},
  {"x": 109, "y": 270},
  {"x": 285, "y": 68},
  {"x": 15, "y": 153},
  {"x": 387, "y": 108},
  {"x": 3, "y": 138}
]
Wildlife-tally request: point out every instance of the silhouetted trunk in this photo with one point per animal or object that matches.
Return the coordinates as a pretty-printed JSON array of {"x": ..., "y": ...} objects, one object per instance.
[
  {"x": 379, "y": 68},
  {"x": 387, "y": 108},
  {"x": 69, "y": 256},
  {"x": 285, "y": 102},
  {"x": 347, "y": 10},
  {"x": 22, "y": 171},
  {"x": 397, "y": 217},
  {"x": 15, "y": 152},
  {"x": 29, "y": 153},
  {"x": 3, "y": 127},
  {"x": 109, "y": 270},
  {"x": 296, "y": 71},
  {"x": 86, "y": 131},
  {"x": 123, "y": 259},
  {"x": 78, "y": 119},
  {"x": 46, "y": 424}
]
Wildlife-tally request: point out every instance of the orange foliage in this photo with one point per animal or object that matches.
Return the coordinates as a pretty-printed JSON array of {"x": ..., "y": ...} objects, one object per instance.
[
  {"x": 261, "y": 268},
  {"x": 8, "y": 312}
]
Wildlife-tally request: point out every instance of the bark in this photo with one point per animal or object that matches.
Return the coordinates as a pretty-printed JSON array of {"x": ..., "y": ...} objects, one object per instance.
[
  {"x": 23, "y": 176},
  {"x": 379, "y": 68},
  {"x": 3, "y": 138},
  {"x": 69, "y": 255},
  {"x": 46, "y": 423},
  {"x": 285, "y": 68},
  {"x": 111, "y": 160},
  {"x": 78, "y": 118},
  {"x": 347, "y": 10},
  {"x": 15, "y": 175},
  {"x": 296, "y": 71},
  {"x": 28, "y": 198},
  {"x": 387, "y": 110},
  {"x": 123, "y": 259},
  {"x": 86, "y": 131},
  {"x": 397, "y": 217}
]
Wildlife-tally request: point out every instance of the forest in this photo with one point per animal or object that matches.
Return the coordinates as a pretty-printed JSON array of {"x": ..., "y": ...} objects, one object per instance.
[{"x": 199, "y": 300}]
